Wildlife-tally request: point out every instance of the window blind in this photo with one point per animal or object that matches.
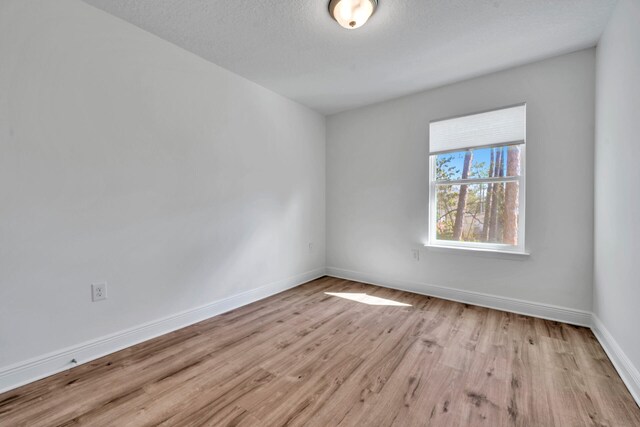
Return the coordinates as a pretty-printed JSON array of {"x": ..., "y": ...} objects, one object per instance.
[{"x": 492, "y": 128}]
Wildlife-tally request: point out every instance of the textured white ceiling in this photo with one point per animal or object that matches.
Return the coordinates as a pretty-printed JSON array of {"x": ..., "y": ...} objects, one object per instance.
[{"x": 294, "y": 47}]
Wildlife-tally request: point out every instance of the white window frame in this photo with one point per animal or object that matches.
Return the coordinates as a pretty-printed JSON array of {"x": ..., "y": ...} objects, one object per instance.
[{"x": 479, "y": 246}]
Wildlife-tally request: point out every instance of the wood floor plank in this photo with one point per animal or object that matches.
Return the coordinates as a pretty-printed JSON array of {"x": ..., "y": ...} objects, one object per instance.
[{"x": 311, "y": 357}]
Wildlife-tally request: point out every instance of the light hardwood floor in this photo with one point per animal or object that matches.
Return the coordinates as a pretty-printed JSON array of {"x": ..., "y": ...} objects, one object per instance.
[{"x": 304, "y": 357}]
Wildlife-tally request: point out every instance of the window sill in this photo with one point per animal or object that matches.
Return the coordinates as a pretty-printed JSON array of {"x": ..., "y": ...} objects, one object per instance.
[{"x": 479, "y": 251}]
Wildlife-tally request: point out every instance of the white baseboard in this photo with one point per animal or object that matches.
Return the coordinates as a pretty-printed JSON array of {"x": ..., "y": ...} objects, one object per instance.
[
  {"x": 545, "y": 311},
  {"x": 627, "y": 371},
  {"x": 22, "y": 373}
]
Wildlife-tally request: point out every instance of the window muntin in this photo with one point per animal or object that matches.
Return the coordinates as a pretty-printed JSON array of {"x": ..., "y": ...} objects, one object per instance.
[{"x": 484, "y": 186}]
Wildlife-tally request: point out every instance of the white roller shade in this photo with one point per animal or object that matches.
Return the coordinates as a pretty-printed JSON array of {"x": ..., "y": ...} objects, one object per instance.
[{"x": 497, "y": 127}]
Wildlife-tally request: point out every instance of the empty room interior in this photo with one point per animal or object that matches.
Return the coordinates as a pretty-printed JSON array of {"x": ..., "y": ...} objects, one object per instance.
[{"x": 319, "y": 213}]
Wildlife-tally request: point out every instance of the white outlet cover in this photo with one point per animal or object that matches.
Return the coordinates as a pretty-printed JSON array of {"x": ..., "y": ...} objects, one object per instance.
[{"x": 98, "y": 291}]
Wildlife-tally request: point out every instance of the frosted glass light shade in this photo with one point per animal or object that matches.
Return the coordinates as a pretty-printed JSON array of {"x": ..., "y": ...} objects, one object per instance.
[
  {"x": 491, "y": 128},
  {"x": 352, "y": 14}
]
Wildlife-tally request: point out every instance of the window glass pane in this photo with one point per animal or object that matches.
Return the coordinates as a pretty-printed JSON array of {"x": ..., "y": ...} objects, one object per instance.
[
  {"x": 478, "y": 163},
  {"x": 485, "y": 213}
]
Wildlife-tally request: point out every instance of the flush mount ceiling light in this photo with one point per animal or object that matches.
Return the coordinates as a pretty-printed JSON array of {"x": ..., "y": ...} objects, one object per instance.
[{"x": 352, "y": 14}]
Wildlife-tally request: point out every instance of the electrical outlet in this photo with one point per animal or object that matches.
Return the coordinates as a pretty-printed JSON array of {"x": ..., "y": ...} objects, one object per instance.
[
  {"x": 415, "y": 254},
  {"x": 98, "y": 291},
  {"x": 310, "y": 247}
]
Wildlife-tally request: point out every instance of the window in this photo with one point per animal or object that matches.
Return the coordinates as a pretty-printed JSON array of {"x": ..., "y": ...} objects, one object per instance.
[{"x": 477, "y": 171}]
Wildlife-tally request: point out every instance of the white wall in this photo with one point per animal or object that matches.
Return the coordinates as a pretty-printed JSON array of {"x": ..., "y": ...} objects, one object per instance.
[
  {"x": 124, "y": 158},
  {"x": 377, "y": 186},
  {"x": 617, "y": 184}
]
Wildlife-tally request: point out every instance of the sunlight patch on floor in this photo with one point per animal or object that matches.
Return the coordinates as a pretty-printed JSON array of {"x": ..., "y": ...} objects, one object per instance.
[{"x": 367, "y": 299}]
